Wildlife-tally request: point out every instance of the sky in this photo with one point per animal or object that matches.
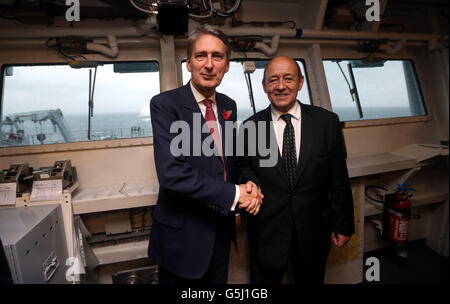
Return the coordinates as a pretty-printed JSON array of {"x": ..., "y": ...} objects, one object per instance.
[
  {"x": 49, "y": 87},
  {"x": 34, "y": 88}
]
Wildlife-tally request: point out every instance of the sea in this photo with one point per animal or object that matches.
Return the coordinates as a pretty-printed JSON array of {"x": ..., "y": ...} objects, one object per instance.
[
  {"x": 131, "y": 125},
  {"x": 351, "y": 113}
]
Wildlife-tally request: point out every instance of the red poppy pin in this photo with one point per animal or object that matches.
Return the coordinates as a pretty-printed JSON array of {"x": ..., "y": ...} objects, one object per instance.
[{"x": 226, "y": 114}]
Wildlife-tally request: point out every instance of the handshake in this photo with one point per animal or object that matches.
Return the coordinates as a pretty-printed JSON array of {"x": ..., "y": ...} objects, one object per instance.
[{"x": 250, "y": 198}]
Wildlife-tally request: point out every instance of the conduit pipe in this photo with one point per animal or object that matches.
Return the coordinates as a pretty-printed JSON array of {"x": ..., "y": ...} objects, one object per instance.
[
  {"x": 181, "y": 42},
  {"x": 34, "y": 32},
  {"x": 355, "y": 35},
  {"x": 111, "y": 51},
  {"x": 269, "y": 51},
  {"x": 326, "y": 34},
  {"x": 143, "y": 29},
  {"x": 38, "y": 32},
  {"x": 260, "y": 31},
  {"x": 295, "y": 42}
]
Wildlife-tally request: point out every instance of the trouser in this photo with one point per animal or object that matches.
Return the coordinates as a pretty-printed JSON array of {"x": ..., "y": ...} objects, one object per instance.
[
  {"x": 217, "y": 272},
  {"x": 297, "y": 270}
]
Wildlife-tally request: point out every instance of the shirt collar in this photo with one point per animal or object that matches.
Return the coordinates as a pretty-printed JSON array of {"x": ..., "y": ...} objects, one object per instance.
[
  {"x": 199, "y": 96},
  {"x": 295, "y": 111}
]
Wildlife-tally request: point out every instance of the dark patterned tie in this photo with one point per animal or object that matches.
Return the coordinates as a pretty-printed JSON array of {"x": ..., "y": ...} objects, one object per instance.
[{"x": 289, "y": 154}]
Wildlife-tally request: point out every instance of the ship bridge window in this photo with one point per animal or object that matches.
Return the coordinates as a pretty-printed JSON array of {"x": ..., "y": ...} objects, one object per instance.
[
  {"x": 361, "y": 90},
  {"x": 47, "y": 104},
  {"x": 238, "y": 86}
]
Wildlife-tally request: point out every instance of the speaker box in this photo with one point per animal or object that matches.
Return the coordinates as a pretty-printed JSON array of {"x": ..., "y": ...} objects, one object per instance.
[{"x": 173, "y": 18}]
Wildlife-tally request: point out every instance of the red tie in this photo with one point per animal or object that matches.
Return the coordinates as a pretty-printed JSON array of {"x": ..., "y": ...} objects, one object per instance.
[{"x": 214, "y": 129}]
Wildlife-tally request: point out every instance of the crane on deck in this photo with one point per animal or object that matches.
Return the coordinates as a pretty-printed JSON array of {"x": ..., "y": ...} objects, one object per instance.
[{"x": 12, "y": 128}]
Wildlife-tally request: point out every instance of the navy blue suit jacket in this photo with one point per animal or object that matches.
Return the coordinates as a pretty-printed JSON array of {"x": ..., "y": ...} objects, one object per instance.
[{"x": 193, "y": 196}]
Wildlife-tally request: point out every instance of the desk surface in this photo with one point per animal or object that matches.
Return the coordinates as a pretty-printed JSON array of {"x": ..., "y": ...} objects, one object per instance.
[
  {"x": 113, "y": 197},
  {"x": 400, "y": 159}
]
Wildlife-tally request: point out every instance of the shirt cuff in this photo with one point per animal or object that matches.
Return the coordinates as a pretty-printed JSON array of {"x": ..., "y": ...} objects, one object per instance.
[{"x": 236, "y": 198}]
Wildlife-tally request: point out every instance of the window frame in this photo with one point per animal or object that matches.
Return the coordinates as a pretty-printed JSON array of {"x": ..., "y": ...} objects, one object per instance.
[
  {"x": 392, "y": 120},
  {"x": 79, "y": 145}
]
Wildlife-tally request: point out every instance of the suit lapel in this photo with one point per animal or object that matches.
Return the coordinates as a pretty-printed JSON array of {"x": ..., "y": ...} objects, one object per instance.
[
  {"x": 191, "y": 104},
  {"x": 306, "y": 141},
  {"x": 189, "y": 100}
]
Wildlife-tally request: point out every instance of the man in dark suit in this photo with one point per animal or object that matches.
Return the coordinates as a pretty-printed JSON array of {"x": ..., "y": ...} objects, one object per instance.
[
  {"x": 307, "y": 194},
  {"x": 194, "y": 218}
]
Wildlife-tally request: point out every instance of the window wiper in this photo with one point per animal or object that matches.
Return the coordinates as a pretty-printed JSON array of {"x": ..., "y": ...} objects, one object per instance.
[
  {"x": 250, "y": 91},
  {"x": 88, "y": 64},
  {"x": 249, "y": 67},
  {"x": 352, "y": 87},
  {"x": 91, "y": 100}
]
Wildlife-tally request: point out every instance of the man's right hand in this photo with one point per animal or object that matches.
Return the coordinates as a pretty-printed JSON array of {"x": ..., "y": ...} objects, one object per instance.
[{"x": 250, "y": 198}]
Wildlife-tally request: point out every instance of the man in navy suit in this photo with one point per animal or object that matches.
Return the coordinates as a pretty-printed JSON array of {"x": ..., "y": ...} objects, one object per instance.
[
  {"x": 307, "y": 196},
  {"x": 194, "y": 220}
]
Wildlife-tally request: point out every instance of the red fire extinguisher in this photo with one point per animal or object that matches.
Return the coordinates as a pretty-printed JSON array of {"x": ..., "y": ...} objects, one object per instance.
[{"x": 399, "y": 216}]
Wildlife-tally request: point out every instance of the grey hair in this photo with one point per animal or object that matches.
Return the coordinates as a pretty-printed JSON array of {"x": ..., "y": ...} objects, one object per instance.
[{"x": 208, "y": 29}]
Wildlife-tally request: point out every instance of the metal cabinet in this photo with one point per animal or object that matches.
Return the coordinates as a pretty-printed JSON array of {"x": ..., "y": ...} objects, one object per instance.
[{"x": 34, "y": 243}]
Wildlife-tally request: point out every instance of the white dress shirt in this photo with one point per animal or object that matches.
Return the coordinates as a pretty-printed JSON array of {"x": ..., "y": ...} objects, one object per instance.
[
  {"x": 199, "y": 99},
  {"x": 279, "y": 124}
]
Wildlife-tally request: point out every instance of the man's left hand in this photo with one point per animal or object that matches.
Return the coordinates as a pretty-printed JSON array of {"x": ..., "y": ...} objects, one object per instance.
[{"x": 339, "y": 240}]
